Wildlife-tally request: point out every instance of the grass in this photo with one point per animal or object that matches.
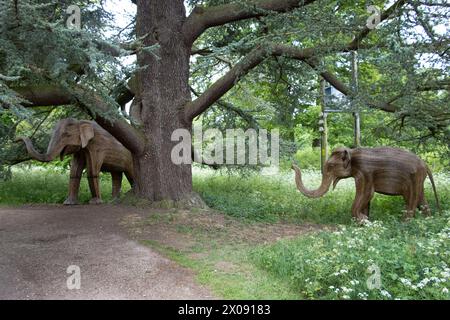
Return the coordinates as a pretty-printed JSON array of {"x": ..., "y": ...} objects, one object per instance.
[
  {"x": 38, "y": 185},
  {"x": 413, "y": 257},
  {"x": 267, "y": 198},
  {"x": 243, "y": 281}
]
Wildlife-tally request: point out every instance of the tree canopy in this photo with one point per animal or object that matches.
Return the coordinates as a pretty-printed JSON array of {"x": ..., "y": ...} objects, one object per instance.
[{"x": 252, "y": 64}]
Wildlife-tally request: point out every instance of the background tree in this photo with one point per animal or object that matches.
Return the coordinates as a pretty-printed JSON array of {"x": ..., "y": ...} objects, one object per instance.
[{"x": 194, "y": 59}]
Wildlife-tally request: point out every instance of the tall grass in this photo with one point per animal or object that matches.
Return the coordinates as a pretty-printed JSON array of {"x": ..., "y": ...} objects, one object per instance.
[
  {"x": 40, "y": 185},
  {"x": 257, "y": 197},
  {"x": 273, "y": 197}
]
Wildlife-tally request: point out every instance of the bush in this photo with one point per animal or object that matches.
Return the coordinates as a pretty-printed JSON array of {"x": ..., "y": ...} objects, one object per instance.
[
  {"x": 307, "y": 158},
  {"x": 413, "y": 259}
]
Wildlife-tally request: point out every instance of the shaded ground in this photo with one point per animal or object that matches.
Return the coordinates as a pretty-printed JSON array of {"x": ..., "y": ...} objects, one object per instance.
[
  {"x": 219, "y": 248},
  {"x": 181, "y": 229},
  {"x": 37, "y": 244},
  {"x": 122, "y": 252}
]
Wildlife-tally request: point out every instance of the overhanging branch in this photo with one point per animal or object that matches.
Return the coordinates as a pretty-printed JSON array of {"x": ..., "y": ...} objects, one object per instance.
[
  {"x": 254, "y": 58},
  {"x": 260, "y": 53},
  {"x": 251, "y": 121},
  {"x": 203, "y": 18},
  {"x": 56, "y": 95},
  {"x": 387, "y": 14},
  {"x": 221, "y": 86}
]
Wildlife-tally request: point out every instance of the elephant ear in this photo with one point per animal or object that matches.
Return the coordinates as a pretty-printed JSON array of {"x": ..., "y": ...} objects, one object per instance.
[
  {"x": 346, "y": 157},
  {"x": 86, "y": 133}
]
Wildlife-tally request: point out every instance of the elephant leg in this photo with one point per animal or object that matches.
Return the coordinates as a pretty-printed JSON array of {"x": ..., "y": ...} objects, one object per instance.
[
  {"x": 366, "y": 210},
  {"x": 94, "y": 164},
  {"x": 130, "y": 178},
  {"x": 423, "y": 204},
  {"x": 412, "y": 201},
  {"x": 364, "y": 193},
  {"x": 365, "y": 203},
  {"x": 116, "y": 184},
  {"x": 424, "y": 207},
  {"x": 76, "y": 170}
]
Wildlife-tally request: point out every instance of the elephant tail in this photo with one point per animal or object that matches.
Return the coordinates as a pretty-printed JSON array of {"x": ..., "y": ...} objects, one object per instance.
[{"x": 430, "y": 175}]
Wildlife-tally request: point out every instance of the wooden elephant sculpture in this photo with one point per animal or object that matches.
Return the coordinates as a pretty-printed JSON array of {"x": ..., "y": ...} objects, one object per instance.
[
  {"x": 92, "y": 147},
  {"x": 385, "y": 170}
]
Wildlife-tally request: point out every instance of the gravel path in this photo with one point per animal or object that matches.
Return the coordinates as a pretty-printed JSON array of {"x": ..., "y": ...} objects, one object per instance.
[{"x": 39, "y": 243}]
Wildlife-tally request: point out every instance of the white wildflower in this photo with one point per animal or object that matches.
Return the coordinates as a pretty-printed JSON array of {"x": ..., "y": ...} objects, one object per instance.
[
  {"x": 354, "y": 282},
  {"x": 363, "y": 295},
  {"x": 386, "y": 294},
  {"x": 346, "y": 290},
  {"x": 406, "y": 282}
]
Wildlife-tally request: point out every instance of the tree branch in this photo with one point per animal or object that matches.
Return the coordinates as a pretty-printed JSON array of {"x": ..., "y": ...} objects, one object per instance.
[
  {"x": 354, "y": 45},
  {"x": 251, "y": 121},
  {"x": 203, "y": 18},
  {"x": 54, "y": 95},
  {"x": 260, "y": 53},
  {"x": 255, "y": 57},
  {"x": 221, "y": 86}
]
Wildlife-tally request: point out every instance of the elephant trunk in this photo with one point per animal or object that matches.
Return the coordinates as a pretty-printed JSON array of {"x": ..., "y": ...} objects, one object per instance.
[
  {"x": 322, "y": 190},
  {"x": 47, "y": 157}
]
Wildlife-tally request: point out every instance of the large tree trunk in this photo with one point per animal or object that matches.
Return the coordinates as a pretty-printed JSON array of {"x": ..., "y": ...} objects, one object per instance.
[{"x": 163, "y": 91}]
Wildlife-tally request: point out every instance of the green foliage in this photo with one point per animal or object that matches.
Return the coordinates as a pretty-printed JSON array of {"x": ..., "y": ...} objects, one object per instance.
[
  {"x": 282, "y": 93},
  {"x": 37, "y": 50},
  {"x": 244, "y": 281},
  {"x": 413, "y": 259},
  {"x": 308, "y": 157}
]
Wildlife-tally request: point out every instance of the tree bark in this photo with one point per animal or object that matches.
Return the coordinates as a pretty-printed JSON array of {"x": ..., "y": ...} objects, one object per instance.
[{"x": 163, "y": 92}]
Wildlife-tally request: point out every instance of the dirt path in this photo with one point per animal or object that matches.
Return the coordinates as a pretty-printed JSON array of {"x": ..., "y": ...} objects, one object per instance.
[{"x": 38, "y": 244}]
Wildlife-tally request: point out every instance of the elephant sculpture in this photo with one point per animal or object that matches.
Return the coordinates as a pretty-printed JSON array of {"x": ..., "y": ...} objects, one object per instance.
[
  {"x": 92, "y": 147},
  {"x": 389, "y": 171}
]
